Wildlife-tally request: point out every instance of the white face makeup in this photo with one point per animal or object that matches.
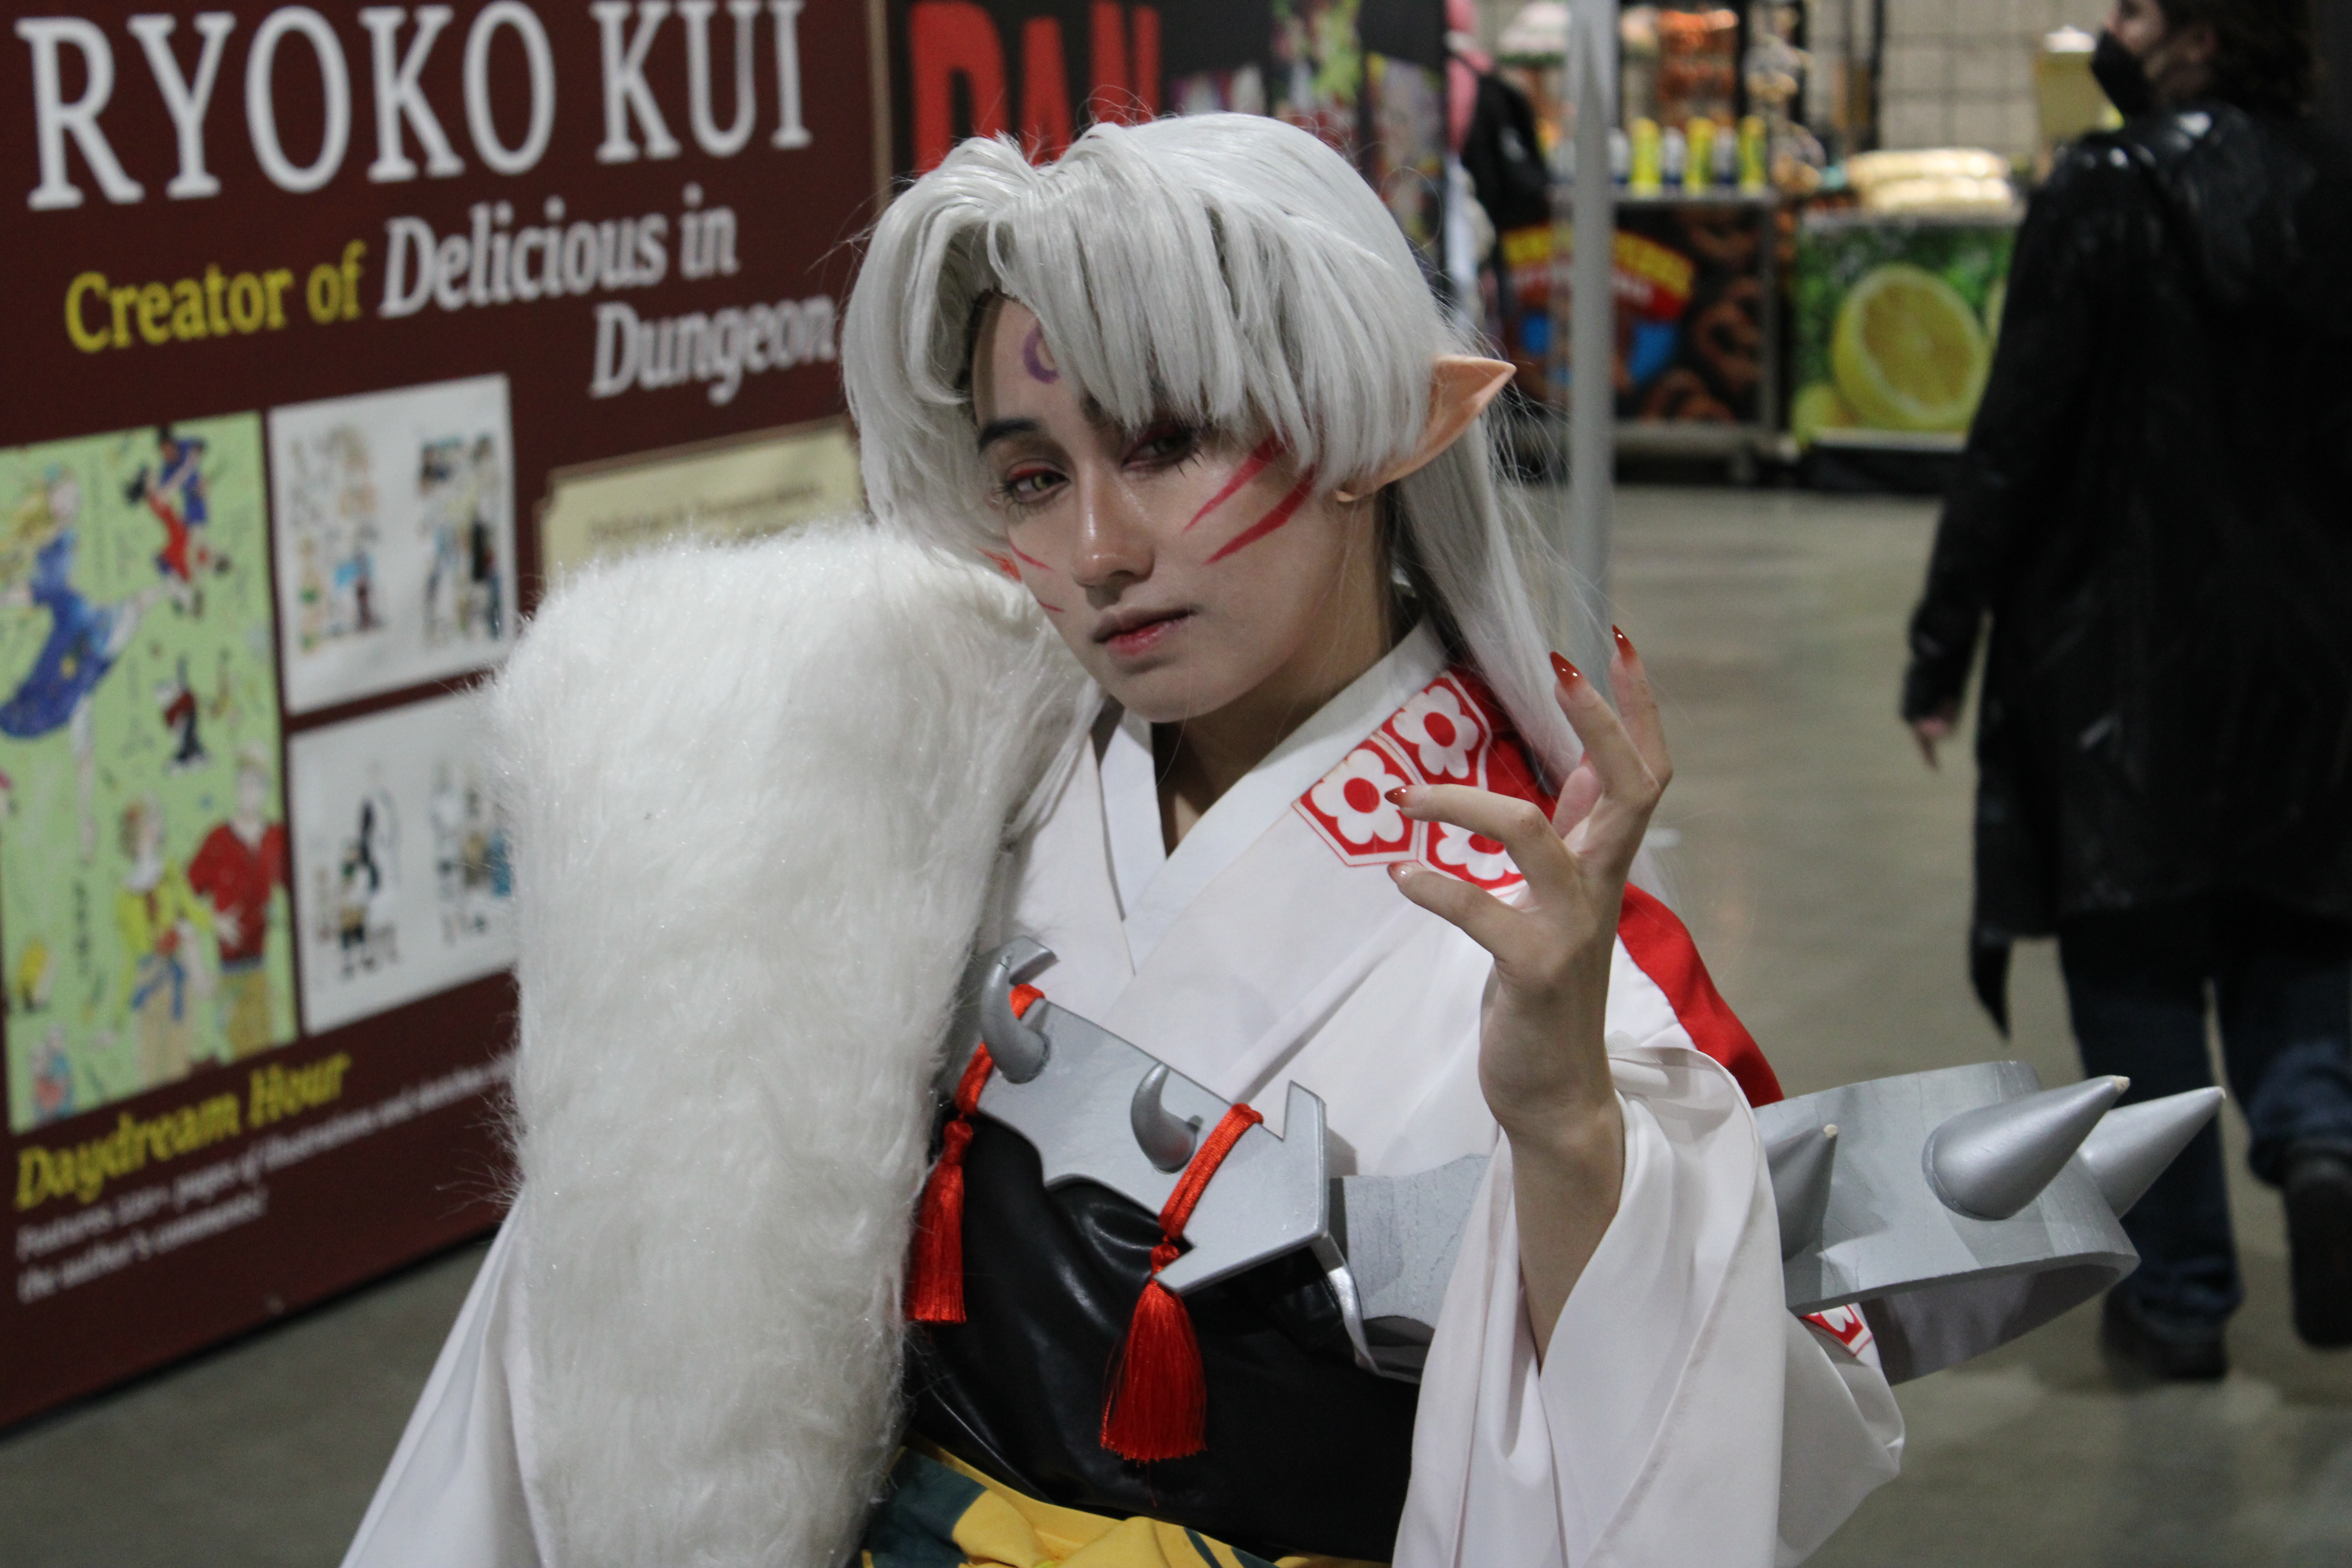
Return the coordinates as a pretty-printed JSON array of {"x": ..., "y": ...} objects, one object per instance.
[{"x": 1186, "y": 573}]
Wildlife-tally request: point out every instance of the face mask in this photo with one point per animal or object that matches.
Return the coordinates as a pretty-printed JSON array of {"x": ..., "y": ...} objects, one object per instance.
[{"x": 2121, "y": 77}]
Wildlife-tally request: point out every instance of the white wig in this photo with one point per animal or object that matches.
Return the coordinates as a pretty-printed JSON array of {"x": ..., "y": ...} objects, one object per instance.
[{"x": 1226, "y": 269}]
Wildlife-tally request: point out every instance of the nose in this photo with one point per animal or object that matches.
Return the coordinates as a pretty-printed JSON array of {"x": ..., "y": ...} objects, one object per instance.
[{"x": 1115, "y": 545}]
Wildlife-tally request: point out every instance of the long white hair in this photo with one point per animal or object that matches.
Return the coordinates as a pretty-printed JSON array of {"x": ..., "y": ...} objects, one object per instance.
[{"x": 1226, "y": 269}]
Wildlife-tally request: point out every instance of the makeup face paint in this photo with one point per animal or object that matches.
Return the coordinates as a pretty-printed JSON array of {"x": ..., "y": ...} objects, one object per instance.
[
  {"x": 1283, "y": 511},
  {"x": 1037, "y": 359},
  {"x": 1130, "y": 540},
  {"x": 1248, "y": 468}
]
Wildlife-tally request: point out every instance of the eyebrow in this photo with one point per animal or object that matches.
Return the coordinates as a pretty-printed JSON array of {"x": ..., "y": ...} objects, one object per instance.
[{"x": 997, "y": 430}]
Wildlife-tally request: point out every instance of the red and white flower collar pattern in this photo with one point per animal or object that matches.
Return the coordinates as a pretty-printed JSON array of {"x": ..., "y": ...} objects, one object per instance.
[{"x": 1451, "y": 731}]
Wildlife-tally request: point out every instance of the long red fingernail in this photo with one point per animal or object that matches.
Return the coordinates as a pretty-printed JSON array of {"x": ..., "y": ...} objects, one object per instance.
[
  {"x": 1569, "y": 674},
  {"x": 1396, "y": 796},
  {"x": 1624, "y": 644}
]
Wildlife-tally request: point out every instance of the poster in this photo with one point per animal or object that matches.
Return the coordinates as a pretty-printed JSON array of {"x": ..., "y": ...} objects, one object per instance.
[
  {"x": 1895, "y": 324},
  {"x": 403, "y": 884},
  {"x": 1693, "y": 280},
  {"x": 142, "y": 916},
  {"x": 395, "y": 538},
  {"x": 1368, "y": 77},
  {"x": 379, "y": 273},
  {"x": 741, "y": 487}
]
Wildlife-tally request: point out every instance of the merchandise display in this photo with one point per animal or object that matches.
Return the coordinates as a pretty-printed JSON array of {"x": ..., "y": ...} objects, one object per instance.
[{"x": 1697, "y": 252}]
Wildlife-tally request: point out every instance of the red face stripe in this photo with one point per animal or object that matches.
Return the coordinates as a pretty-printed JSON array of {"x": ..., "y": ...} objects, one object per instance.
[
  {"x": 1283, "y": 511},
  {"x": 1026, "y": 556},
  {"x": 1249, "y": 468}
]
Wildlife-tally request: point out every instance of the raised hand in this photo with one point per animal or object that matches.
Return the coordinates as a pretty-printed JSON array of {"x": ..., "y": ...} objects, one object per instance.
[{"x": 1541, "y": 1060}]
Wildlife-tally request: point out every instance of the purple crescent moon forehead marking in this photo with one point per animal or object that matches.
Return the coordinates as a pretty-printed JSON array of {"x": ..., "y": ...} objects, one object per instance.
[{"x": 1037, "y": 359}]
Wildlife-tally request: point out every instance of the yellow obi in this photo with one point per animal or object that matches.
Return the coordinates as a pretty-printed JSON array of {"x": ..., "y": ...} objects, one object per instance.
[{"x": 939, "y": 1512}]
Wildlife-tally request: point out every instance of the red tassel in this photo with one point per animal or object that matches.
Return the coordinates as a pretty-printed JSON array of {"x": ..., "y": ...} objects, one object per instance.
[
  {"x": 935, "y": 1273},
  {"x": 1158, "y": 1404}
]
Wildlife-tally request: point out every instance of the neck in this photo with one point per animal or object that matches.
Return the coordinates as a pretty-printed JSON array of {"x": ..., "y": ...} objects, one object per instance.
[
  {"x": 1199, "y": 759},
  {"x": 2176, "y": 78}
]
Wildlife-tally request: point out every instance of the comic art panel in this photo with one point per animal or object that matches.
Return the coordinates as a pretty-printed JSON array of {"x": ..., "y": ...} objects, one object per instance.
[
  {"x": 402, "y": 882},
  {"x": 395, "y": 538},
  {"x": 143, "y": 925}
]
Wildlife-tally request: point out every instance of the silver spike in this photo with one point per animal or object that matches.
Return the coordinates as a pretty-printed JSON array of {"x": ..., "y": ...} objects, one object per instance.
[
  {"x": 1018, "y": 1051},
  {"x": 1166, "y": 1142},
  {"x": 1991, "y": 1161},
  {"x": 1800, "y": 1164},
  {"x": 2133, "y": 1145}
]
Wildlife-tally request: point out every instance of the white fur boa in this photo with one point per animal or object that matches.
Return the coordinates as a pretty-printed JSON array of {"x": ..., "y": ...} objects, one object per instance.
[{"x": 759, "y": 797}]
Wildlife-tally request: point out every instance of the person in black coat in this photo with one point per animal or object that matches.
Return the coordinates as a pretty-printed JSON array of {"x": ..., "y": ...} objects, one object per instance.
[{"x": 2154, "y": 512}]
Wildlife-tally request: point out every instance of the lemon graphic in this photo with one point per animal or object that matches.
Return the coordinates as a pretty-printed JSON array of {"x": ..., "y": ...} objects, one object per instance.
[
  {"x": 1907, "y": 352},
  {"x": 1818, "y": 408}
]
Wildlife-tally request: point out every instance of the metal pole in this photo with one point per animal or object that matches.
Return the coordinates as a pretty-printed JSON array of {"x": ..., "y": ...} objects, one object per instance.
[{"x": 1592, "y": 328}]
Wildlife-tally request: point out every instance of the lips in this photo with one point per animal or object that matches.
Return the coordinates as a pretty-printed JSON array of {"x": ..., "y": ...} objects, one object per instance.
[{"x": 1133, "y": 632}]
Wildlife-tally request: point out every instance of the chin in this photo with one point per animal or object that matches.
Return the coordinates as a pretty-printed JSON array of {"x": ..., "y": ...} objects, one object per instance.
[{"x": 1169, "y": 692}]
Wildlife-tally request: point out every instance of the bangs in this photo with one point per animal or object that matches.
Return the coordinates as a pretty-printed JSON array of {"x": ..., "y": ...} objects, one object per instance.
[{"x": 1225, "y": 269}]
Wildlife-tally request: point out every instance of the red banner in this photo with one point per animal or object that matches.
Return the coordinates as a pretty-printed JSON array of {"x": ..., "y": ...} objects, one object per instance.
[{"x": 304, "y": 305}]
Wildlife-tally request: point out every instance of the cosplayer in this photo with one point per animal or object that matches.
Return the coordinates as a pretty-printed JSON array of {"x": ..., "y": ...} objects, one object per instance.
[{"x": 1253, "y": 723}]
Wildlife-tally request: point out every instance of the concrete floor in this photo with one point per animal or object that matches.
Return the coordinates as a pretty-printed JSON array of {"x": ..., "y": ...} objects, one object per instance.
[{"x": 1825, "y": 874}]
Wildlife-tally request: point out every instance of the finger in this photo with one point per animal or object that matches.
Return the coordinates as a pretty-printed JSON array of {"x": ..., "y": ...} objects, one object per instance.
[
  {"x": 1520, "y": 825},
  {"x": 1480, "y": 916},
  {"x": 1638, "y": 706},
  {"x": 1578, "y": 795},
  {"x": 1607, "y": 745},
  {"x": 1629, "y": 790},
  {"x": 1926, "y": 743}
]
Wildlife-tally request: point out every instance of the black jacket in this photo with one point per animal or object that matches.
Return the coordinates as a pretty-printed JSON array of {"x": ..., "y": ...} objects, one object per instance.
[{"x": 2155, "y": 509}]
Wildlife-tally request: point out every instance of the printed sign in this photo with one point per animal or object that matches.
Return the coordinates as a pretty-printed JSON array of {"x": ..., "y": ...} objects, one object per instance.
[
  {"x": 736, "y": 488},
  {"x": 305, "y": 305},
  {"x": 1895, "y": 321}
]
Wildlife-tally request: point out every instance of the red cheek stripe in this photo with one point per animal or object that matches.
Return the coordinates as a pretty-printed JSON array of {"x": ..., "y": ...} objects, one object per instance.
[
  {"x": 1283, "y": 511},
  {"x": 1026, "y": 556},
  {"x": 1002, "y": 565},
  {"x": 1249, "y": 468}
]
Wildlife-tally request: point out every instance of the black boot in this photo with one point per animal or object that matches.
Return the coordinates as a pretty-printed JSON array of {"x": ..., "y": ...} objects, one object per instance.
[
  {"x": 2318, "y": 1190},
  {"x": 2168, "y": 1349}
]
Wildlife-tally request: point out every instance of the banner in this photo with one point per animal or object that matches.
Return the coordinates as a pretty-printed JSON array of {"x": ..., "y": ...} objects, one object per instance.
[
  {"x": 1366, "y": 76},
  {"x": 305, "y": 306},
  {"x": 1895, "y": 321}
]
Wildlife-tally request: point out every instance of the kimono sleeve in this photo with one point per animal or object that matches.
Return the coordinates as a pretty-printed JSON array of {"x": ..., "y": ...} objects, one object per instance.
[
  {"x": 453, "y": 1496},
  {"x": 1679, "y": 1412}
]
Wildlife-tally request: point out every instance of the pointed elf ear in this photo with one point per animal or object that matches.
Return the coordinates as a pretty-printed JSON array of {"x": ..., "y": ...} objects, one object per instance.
[{"x": 1460, "y": 387}]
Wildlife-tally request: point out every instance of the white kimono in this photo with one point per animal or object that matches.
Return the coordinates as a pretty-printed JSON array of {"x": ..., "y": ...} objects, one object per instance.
[{"x": 1679, "y": 1414}]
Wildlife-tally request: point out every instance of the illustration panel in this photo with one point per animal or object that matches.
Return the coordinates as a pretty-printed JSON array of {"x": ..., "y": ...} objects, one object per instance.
[
  {"x": 740, "y": 488},
  {"x": 395, "y": 538},
  {"x": 142, "y": 853},
  {"x": 402, "y": 882}
]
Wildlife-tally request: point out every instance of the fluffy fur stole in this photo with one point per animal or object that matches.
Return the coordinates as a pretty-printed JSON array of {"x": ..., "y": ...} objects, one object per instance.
[{"x": 758, "y": 796}]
